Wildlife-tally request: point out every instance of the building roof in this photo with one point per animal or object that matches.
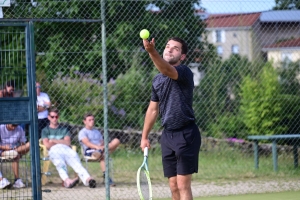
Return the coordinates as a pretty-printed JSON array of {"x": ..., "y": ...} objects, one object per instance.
[
  {"x": 280, "y": 16},
  {"x": 284, "y": 44},
  {"x": 232, "y": 20}
]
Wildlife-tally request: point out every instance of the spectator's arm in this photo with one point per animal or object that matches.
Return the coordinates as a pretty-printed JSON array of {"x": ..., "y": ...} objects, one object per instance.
[
  {"x": 47, "y": 104},
  {"x": 41, "y": 108},
  {"x": 102, "y": 143},
  {"x": 48, "y": 143},
  {"x": 65, "y": 141},
  {"x": 5, "y": 147},
  {"x": 87, "y": 143}
]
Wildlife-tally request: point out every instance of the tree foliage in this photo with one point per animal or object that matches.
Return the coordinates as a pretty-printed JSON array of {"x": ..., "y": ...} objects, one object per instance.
[
  {"x": 130, "y": 94},
  {"x": 287, "y": 5},
  {"x": 260, "y": 103},
  {"x": 218, "y": 95}
]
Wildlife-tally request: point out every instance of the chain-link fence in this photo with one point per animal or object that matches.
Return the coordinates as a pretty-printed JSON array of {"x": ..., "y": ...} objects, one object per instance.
[{"x": 246, "y": 74}]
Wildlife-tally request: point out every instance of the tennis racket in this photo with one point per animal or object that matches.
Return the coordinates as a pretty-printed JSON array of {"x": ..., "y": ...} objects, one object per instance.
[{"x": 143, "y": 179}]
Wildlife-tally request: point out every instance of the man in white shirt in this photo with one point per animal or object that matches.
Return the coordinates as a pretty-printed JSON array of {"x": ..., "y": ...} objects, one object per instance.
[{"x": 43, "y": 103}]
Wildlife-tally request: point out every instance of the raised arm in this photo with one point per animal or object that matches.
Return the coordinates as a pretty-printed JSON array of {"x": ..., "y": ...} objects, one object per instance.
[
  {"x": 163, "y": 66},
  {"x": 87, "y": 143}
]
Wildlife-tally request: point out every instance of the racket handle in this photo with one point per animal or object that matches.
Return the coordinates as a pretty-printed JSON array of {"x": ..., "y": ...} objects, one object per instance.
[{"x": 146, "y": 151}]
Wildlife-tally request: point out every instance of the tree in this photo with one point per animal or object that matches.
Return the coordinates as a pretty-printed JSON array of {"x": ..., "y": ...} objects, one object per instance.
[
  {"x": 72, "y": 50},
  {"x": 68, "y": 47},
  {"x": 125, "y": 20},
  {"x": 287, "y": 5},
  {"x": 218, "y": 105},
  {"x": 130, "y": 95},
  {"x": 260, "y": 106}
]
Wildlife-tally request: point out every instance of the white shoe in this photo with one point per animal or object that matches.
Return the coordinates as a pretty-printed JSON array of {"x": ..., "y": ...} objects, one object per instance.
[
  {"x": 10, "y": 154},
  {"x": 18, "y": 184},
  {"x": 4, "y": 183}
]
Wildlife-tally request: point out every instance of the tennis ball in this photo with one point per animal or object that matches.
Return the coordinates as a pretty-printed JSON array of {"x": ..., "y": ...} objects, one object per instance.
[{"x": 144, "y": 34}]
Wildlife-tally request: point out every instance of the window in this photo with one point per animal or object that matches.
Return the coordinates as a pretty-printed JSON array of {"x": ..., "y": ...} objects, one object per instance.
[
  {"x": 235, "y": 49},
  {"x": 220, "y": 50},
  {"x": 219, "y": 36},
  {"x": 286, "y": 58}
]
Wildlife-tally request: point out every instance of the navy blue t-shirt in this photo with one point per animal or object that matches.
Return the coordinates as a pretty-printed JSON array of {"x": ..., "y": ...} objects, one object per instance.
[{"x": 175, "y": 98}]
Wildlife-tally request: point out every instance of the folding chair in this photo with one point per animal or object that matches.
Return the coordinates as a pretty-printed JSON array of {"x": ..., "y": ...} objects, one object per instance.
[
  {"x": 91, "y": 159},
  {"x": 87, "y": 158}
]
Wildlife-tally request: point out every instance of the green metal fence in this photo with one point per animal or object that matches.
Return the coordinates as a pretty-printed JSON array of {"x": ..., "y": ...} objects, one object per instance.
[
  {"x": 89, "y": 58},
  {"x": 18, "y": 105}
]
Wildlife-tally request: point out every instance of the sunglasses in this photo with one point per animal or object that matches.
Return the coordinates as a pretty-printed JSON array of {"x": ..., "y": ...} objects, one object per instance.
[
  {"x": 38, "y": 86},
  {"x": 54, "y": 116}
]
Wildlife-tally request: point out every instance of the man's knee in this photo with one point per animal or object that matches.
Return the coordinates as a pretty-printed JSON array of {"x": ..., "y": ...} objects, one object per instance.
[
  {"x": 113, "y": 145},
  {"x": 184, "y": 182},
  {"x": 173, "y": 184}
]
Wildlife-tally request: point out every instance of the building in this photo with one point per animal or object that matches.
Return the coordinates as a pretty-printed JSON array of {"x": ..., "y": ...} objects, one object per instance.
[
  {"x": 233, "y": 33},
  {"x": 249, "y": 34},
  {"x": 283, "y": 52},
  {"x": 280, "y": 35}
]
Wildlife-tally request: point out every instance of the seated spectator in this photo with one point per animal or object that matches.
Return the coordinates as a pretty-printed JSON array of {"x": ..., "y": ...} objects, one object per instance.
[
  {"x": 12, "y": 146},
  {"x": 8, "y": 89},
  {"x": 57, "y": 140},
  {"x": 93, "y": 144}
]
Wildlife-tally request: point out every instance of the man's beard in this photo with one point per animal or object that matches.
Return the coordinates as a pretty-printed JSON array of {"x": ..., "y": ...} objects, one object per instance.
[{"x": 172, "y": 60}]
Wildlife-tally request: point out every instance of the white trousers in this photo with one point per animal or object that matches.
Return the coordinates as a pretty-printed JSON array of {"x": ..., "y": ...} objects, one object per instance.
[{"x": 62, "y": 155}]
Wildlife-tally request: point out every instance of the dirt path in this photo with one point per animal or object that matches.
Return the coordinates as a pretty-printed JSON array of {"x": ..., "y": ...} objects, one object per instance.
[{"x": 129, "y": 192}]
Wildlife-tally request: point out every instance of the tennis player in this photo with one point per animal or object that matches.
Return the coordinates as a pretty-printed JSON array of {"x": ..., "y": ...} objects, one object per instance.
[{"x": 172, "y": 98}]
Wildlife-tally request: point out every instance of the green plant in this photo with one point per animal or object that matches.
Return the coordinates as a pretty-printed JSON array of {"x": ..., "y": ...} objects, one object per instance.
[{"x": 260, "y": 105}]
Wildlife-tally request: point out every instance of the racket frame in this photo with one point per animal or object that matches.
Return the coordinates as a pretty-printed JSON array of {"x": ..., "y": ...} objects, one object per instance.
[{"x": 144, "y": 167}]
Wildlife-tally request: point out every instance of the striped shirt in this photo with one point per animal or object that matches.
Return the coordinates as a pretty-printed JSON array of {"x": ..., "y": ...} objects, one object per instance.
[{"x": 175, "y": 98}]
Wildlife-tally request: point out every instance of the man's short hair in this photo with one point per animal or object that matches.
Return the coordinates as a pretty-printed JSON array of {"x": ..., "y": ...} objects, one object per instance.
[
  {"x": 10, "y": 83},
  {"x": 87, "y": 115},
  {"x": 184, "y": 48},
  {"x": 55, "y": 110}
]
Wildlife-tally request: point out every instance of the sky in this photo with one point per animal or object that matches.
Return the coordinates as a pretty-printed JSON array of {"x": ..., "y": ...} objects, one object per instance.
[
  {"x": 231, "y": 6},
  {"x": 237, "y": 6}
]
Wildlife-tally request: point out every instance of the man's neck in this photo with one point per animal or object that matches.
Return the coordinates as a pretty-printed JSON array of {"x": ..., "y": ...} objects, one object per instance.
[
  {"x": 89, "y": 128},
  {"x": 53, "y": 125},
  {"x": 7, "y": 128}
]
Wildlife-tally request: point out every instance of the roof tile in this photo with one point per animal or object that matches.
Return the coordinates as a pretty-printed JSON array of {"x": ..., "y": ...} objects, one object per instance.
[
  {"x": 287, "y": 43},
  {"x": 232, "y": 20}
]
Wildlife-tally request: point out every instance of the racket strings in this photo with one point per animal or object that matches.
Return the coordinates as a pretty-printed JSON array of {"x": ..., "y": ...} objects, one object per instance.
[{"x": 144, "y": 185}]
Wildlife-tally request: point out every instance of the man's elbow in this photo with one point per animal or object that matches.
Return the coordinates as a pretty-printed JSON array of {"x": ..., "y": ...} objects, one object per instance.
[
  {"x": 153, "y": 113},
  {"x": 170, "y": 73}
]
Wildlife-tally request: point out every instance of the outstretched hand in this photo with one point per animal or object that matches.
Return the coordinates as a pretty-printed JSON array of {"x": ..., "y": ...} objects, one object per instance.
[{"x": 149, "y": 45}]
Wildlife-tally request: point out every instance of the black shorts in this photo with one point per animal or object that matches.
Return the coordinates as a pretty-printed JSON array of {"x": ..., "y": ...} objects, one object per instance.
[
  {"x": 89, "y": 151},
  {"x": 180, "y": 150}
]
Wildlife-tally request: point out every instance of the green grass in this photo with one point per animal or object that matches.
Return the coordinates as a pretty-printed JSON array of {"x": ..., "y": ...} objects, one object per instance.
[
  {"x": 217, "y": 165},
  {"x": 291, "y": 195},
  {"x": 220, "y": 165}
]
